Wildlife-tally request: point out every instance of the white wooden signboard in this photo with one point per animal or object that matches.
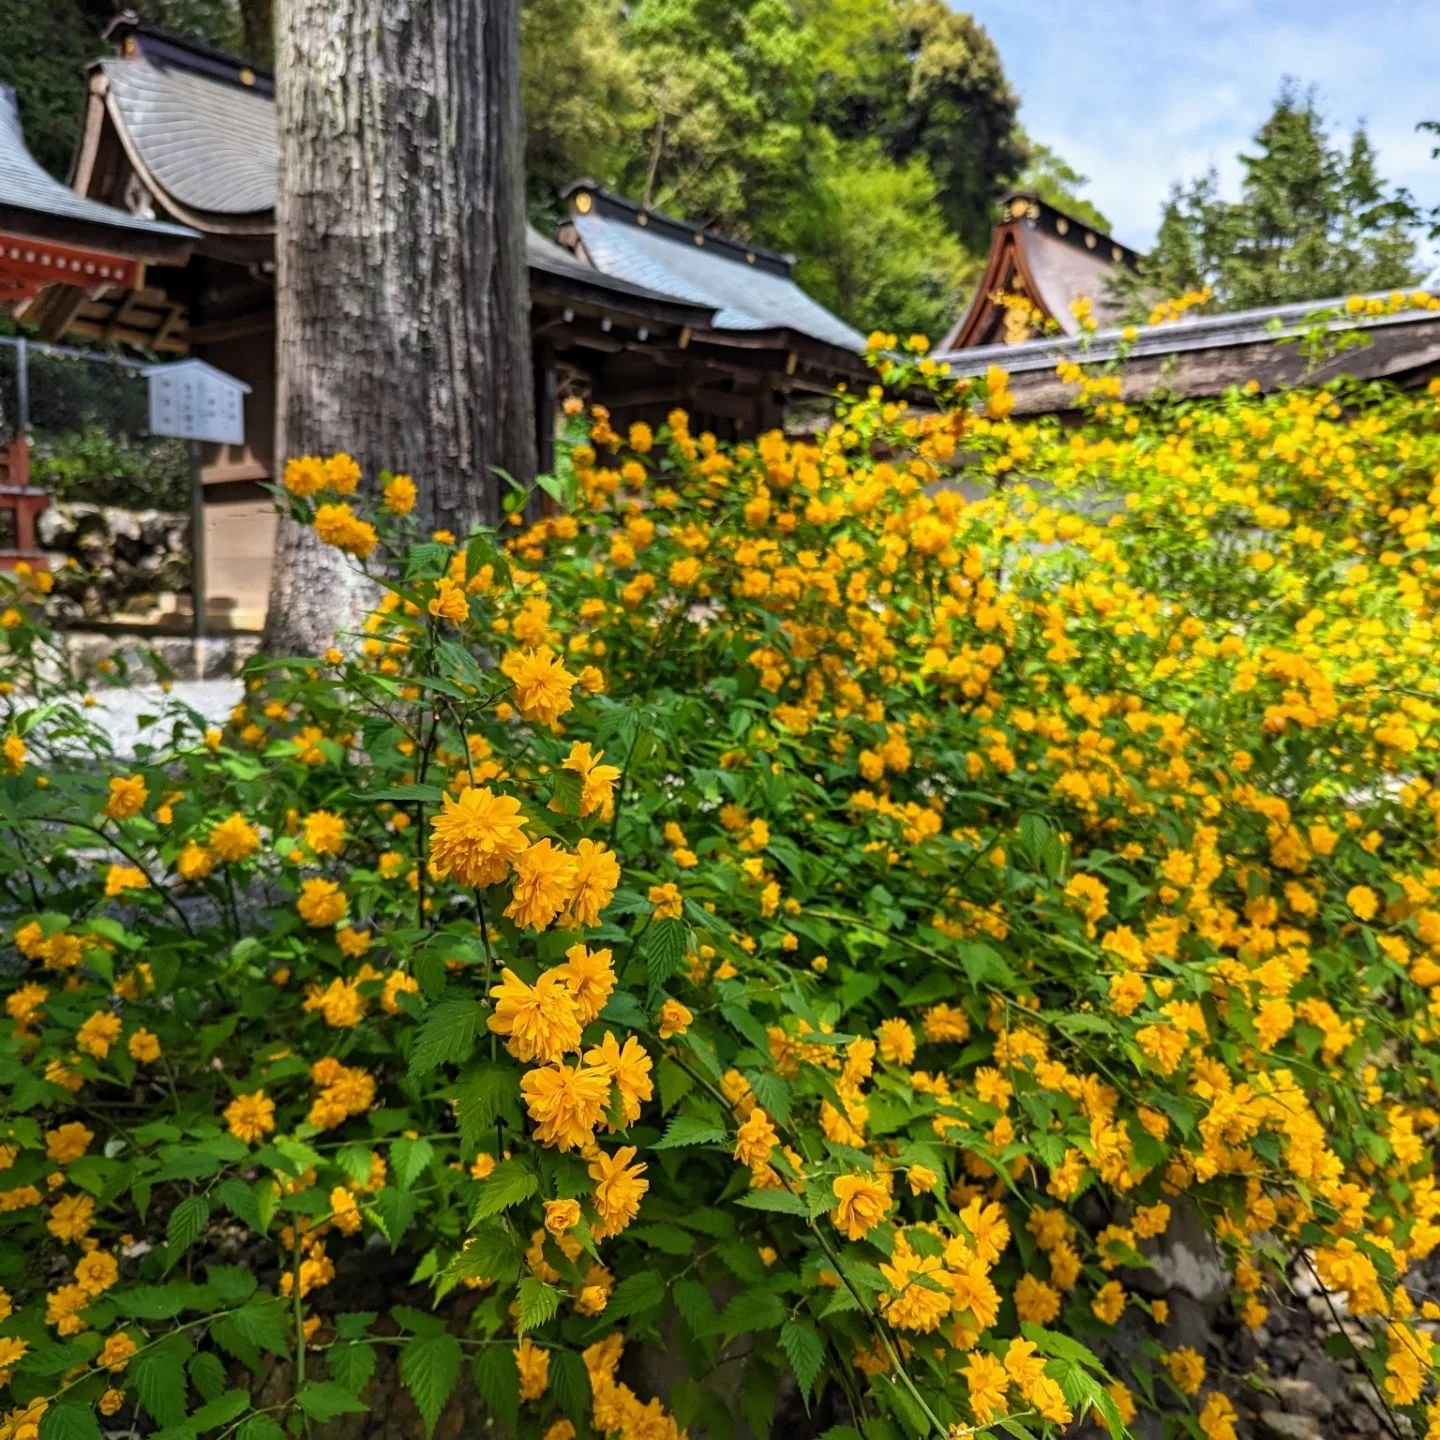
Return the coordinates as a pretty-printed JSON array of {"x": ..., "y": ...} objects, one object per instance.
[{"x": 194, "y": 401}]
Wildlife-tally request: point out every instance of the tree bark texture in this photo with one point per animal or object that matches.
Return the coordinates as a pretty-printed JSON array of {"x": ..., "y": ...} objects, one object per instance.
[{"x": 402, "y": 295}]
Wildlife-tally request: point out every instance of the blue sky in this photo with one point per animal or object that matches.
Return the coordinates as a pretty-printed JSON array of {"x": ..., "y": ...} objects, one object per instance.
[{"x": 1138, "y": 93}]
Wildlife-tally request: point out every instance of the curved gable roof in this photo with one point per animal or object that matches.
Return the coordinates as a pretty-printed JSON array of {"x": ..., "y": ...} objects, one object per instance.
[
  {"x": 207, "y": 146},
  {"x": 749, "y": 289},
  {"x": 25, "y": 189}
]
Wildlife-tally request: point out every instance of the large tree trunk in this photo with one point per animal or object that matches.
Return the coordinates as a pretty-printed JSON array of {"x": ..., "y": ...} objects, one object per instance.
[{"x": 402, "y": 293}]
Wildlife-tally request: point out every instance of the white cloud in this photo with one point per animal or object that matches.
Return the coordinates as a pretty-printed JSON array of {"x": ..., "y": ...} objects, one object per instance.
[{"x": 1137, "y": 95}]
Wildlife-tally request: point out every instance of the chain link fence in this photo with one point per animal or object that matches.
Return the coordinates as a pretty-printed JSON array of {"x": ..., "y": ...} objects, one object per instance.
[
  {"x": 87, "y": 417},
  {"x": 118, "y": 536}
]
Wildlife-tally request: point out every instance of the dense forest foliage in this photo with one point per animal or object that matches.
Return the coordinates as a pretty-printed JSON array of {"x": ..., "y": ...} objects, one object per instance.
[
  {"x": 1315, "y": 219},
  {"x": 869, "y": 137}
]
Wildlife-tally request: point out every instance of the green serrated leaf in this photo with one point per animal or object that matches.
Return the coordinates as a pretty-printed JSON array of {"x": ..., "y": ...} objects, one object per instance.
[
  {"x": 392, "y": 1210},
  {"x": 538, "y": 1303},
  {"x": 222, "y": 1410},
  {"x": 480, "y": 1096},
  {"x": 69, "y": 1422},
  {"x": 157, "y": 1377},
  {"x": 696, "y": 1308},
  {"x": 508, "y": 1185},
  {"x": 782, "y": 1202},
  {"x": 207, "y": 1373},
  {"x": 690, "y": 1130},
  {"x": 408, "y": 1159},
  {"x": 806, "y": 1354},
  {"x": 635, "y": 1294},
  {"x": 351, "y": 1364},
  {"x": 429, "y": 1368},
  {"x": 260, "y": 1427},
  {"x": 752, "y": 1310},
  {"x": 670, "y": 1239},
  {"x": 488, "y": 1255},
  {"x": 664, "y": 946},
  {"x": 187, "y": 1222},
  {"x": 570, "y": 1385},
  {"x": 446, "y": 1036},
  {"x": 497, "y": 1378},
  {"x": 262, "y": 1322},
  {"x": 324, "y": 1400}
]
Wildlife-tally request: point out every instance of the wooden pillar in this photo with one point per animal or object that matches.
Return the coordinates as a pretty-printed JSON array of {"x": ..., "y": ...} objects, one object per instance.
[
  {"x": 20, "y": 504},
  {"x": 546, "y": 405}
]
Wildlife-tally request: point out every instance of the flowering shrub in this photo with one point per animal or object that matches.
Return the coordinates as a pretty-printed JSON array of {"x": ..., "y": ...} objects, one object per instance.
[{"x": 829, "y": 907}]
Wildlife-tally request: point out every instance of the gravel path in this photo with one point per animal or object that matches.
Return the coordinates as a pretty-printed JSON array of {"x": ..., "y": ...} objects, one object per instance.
[{"x": 119, "y": 710}]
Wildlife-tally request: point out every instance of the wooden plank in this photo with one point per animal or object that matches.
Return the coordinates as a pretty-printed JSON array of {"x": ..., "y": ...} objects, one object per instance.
[
  {"x": 237, "y": 327},
  {"x": 58, "y": 318},
  {"x": 170, "y": 326},
  {"x": 118, "y": 317}
]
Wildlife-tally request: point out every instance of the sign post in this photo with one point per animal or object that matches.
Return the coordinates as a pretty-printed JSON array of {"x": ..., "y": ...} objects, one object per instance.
[
  {"x": 193, "y": 401},
  {"x": 199, "y": 589}
]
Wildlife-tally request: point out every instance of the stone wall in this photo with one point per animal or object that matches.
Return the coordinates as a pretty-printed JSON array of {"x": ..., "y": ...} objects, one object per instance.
[{"x": 110, "y": 563}]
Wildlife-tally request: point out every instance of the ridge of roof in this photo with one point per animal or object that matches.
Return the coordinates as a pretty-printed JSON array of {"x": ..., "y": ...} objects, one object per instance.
[
  {"x": 1196, "y": 332},
  {"x": 587, "y": 196},
  {"x": 25, "y": 186},
  {"x": 1026, "y": 205},
  {"x": 133, "y": 35}
]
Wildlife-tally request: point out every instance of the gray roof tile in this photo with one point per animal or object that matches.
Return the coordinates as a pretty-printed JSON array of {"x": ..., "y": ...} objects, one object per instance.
[
  {"x": 745, "y": 297},
  {"x": 25, "y": 186},
  {"x": 212, "y": 146},
  {"x": 209, "y": 145}
]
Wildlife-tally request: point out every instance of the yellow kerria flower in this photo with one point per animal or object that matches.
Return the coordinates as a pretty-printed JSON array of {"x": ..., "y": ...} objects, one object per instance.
[
  {"x": 566, "y": 1103},
  {"x": 673, "y": 1019},
  {"x": 234, "y": 839},
  {"x": 590, "y": 978},
  {"x": 618, "y": 1189},
  {"x": 1362, "y": 901},
  {"x": 98, "y": 1033},
  {"x": 541, "y": 683},
  {"x": 628, "y": 1066},
  {"x": 561, "y": 1216},
  {"x": 96, "y": 1272},
  {"x": 305, "y": 475},
  {"x": 863, "y": 1204},
  {"x": 321, "y": 903},
  {"x": 597, "y": 877},
  {"x": 324, "y": 832},
  {"x": 115, "y": 1355},
  {"x": 128, "y": 795},
  {"x": 477, "y": 838},
  {"x": 399, "y": 494},
  {"x": 450, "y": 602},
  {"x": 988, "y": 1383},
  {"x": 250, "y": 1117},
  {"x": 896, "y": 1041},
  {"x": 533, "y": 1363},
  {"x": 144, "y": 1047},
  {"x": 597, "y": 781},
  {"x": 338, "y": 525},
  {"x": 67, "y": 1142},
  {"x": 70, "y": 1217},
  {"x": 342, "y": 473},
  {"x": 756, "y": 1139},
  {"x": 541, "y": 1022},
  {"x": 544, "y": 882}
]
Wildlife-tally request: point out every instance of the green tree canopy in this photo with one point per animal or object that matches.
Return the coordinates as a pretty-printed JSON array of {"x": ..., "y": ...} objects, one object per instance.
[
  {"x": 48, "y": 43},
  {"x": 1314, "y": 219},
  {"x": 1059, "y": 183},
  {"x": 870, "y": 137}
]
